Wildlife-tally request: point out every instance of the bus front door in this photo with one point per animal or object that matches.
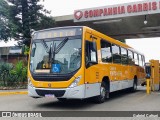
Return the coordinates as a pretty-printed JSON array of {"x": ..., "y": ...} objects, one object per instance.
[{"x": 91, "y": 69}]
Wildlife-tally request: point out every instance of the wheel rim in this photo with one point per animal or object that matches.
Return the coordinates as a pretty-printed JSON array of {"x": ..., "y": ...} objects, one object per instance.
[{"x": 103, "y": 92}]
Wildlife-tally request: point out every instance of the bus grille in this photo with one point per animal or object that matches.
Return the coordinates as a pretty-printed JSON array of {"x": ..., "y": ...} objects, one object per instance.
[{"x": 57, "y": 93}]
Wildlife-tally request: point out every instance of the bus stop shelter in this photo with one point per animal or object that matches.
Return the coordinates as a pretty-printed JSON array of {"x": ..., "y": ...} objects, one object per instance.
[{"x": 121, "y": 21}]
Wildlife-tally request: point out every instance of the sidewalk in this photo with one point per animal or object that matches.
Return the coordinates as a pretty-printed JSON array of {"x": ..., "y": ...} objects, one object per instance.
[{"x": 13, "y": 92}]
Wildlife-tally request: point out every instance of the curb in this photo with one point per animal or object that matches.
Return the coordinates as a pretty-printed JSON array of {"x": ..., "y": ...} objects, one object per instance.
[{"x": 14, "y": 93}]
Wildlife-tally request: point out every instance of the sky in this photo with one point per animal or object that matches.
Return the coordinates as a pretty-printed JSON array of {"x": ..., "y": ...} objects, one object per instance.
[
  {"x": 67, "y": 7},
  {"x": 150, "y": 47}
]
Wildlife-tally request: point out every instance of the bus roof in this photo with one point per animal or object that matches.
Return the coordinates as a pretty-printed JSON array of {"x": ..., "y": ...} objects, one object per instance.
[
  {"x": 59, "y": 28},
  {"x": 112, "y": 40}
]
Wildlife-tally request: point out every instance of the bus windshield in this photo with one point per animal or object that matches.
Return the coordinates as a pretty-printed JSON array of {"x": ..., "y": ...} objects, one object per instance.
[{"x": 56, "y": 56}]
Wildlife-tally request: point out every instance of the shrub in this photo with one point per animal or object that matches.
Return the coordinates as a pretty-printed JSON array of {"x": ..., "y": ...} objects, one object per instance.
[
  {"x": 5, "y": 69},
  {"x": 19, "y": 73},
  {"x": 13, "y": 75}
]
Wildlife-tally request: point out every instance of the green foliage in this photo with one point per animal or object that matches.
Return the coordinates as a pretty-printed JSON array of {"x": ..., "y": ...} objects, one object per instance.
[
  {"x": 21, "y": 71},
  {"x": 45, "y": 22},
  {"x": 29, "y": 15},
  {"x": 25, "y": 50},
  {"x": 24, "y": 74},
  {"x": 13, "y": 75},
  {"x": 6, "y": 25},
  {"x": 5, "y": 69},
  {"x": 19, "y": 19}
]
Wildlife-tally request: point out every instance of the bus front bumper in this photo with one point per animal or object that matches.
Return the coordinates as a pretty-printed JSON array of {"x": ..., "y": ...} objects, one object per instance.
[{"x": 70, "y": 93}]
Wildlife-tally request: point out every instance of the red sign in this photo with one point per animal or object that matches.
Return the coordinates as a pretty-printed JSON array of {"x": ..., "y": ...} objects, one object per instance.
[
  {"x": 78, "y": 15},
  {"x": 117, "y": 10}
]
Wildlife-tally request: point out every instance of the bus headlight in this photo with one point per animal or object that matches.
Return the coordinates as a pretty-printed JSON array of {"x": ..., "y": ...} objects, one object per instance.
[
  {"x": 75, "y": 82},
  {"x": 30, "y": 83}
]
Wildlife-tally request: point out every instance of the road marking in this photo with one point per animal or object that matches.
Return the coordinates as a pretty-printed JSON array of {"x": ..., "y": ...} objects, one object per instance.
[{"x": 14, "y": 93}]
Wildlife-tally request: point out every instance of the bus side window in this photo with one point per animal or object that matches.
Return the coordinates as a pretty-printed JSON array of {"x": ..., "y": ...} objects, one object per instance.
[
  {"x": 91, "y": 53},
  {"x": 106, "y": 51},
  {"x": 143, "y": 60},
  {"x": 116, "y": 54},
  {"x": 124, "y": 56},
  {"x": 130, "y": 58},
  {"x": 136, "y": 59},
  {"x": 140, "y": 60}
]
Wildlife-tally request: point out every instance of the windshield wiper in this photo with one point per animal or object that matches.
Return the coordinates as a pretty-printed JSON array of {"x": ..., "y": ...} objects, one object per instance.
[
  {"x": 45, "y": 46},
  {"x": 54, "y": 50},
  {"x": 60, "y": 46}
]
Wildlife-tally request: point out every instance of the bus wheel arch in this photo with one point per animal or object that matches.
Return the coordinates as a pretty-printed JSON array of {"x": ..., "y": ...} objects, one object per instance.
[{"x": 104, "y": 91}]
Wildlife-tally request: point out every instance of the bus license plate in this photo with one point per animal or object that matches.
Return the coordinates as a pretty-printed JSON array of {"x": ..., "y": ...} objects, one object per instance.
[{"x": 49, "y": 95}]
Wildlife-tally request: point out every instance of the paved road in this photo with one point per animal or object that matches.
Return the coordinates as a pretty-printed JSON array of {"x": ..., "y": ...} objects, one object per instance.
[{"x": 119, "y": 101}]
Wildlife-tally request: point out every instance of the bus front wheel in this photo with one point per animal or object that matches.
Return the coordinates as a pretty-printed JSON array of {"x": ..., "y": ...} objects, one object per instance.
[{"x": 103, "y": 94}]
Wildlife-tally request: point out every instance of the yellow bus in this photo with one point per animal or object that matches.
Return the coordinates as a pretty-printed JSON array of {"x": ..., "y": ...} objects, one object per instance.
[{"x": 79, "y": 62}]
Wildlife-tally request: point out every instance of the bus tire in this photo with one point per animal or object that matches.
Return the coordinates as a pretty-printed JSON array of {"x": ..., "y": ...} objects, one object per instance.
[
  {"x": 62, "y": 99},
  {"x": 134, "y": 88},
  {"x": 103, "y": 94}
]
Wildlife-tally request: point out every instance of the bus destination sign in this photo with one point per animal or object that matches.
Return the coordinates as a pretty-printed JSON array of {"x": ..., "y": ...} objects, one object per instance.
[{"x": 54, "y": 33}]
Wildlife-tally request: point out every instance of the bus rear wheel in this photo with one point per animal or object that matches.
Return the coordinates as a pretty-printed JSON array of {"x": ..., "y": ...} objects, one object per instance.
[
  {"x": 134, "y": 88},
  {"x": 103, "y": 94}
]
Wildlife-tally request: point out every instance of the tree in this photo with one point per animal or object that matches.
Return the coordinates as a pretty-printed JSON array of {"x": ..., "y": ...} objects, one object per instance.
[
  {"x": 28, "y": 15},
  {"x": 5, "y": 23},
  {"x": 38, "y": 16}
]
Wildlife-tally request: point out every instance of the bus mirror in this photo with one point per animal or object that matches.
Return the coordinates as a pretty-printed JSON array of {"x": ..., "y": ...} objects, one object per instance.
[{"x": 33, "y": 52}]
